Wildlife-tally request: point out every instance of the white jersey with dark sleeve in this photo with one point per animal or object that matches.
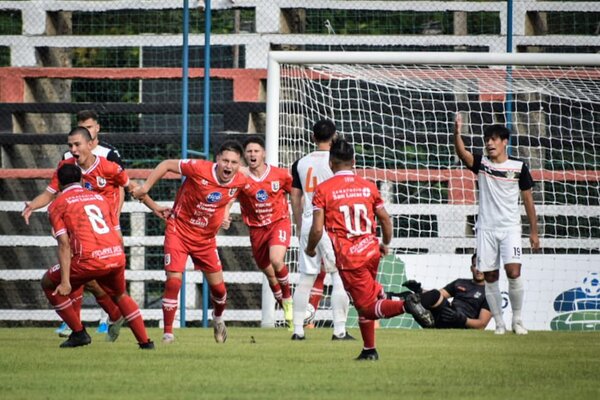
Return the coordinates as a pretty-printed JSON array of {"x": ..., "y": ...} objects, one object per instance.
[
  {"x": 307, "y": 173},
  {"x": 499, "y": 189},
  {"x": 105, "y": 150}
]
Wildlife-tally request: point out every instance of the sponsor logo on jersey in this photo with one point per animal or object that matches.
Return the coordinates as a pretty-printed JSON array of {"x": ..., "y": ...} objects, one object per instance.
[
  {"x": 167, "y": 259},
  {"x": 275, "y": 186},
  {"x": 262, "y": 195},
  {"x": 214, "y": 197},
  {"x": 366, "y": 192},
  {"x": 204, "y": 182},
  {"x": 100, "y": 181},
  {"x": 88, "y": 186}
]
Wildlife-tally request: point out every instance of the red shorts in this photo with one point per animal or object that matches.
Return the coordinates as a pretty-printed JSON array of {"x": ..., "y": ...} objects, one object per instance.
[
  {"x": 204, "y": 253},
  {"x": 112, "y": 280},
  {"x": 263, "y": 238},
  {"x": 361, "y": 283}
]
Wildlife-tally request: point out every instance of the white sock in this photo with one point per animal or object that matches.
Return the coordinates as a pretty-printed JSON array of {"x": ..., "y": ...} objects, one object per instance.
[
  {"x": 339, "y": 305},
  {"x": 515, "y": 294},
  {"x": 494, "y": 299},
  {"x": 301, "y": 297}
]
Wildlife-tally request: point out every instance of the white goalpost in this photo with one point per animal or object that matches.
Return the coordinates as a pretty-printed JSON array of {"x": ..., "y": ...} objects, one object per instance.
[{"x": 398, "y": 110}]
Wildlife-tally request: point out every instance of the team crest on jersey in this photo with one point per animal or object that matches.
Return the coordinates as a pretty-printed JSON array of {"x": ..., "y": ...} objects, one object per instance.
[
  {"x": 510, "y": 174},
  {"x": 214, "y": 197},
  {"x": 88, "y": 186},
  {"x": 262, "y": 195},
  {"x": 232, "y": 191},
  {"x": 204, "y": 182},
  {"x": 100, "y": 181},
  {"x": 275, "y": 186}
]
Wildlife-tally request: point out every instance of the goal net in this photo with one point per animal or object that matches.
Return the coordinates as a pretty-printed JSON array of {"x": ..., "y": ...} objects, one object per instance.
[{"x": 398, "y": 110}]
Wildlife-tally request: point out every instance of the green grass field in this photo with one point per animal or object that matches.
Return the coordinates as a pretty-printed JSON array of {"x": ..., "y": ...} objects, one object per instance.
[{"x": 264, "y": 364}]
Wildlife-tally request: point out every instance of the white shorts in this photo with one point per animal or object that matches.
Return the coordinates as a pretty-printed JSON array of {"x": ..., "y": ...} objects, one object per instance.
[
  {"x": 498, "y": 247},
  {"x": 312, "y": 265}
]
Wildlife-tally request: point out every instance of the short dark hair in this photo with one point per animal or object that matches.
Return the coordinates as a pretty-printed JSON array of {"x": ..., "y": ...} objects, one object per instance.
[
  {"x": 496, "y": 130},
  {"x": 473, "y": 257},
  {"x": 324, "y": 130},
  {"x": 231, "y": 145},
  {"x": 254, "y": 139},
  {"x": 80, "y": 130},
  {"x": 68, "y": 173},
  {"x": 341, "y": 152},
  {"x": 84, "y": 115}
]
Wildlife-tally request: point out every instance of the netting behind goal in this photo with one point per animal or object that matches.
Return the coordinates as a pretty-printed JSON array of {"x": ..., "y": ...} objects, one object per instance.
[{"x": 400, "y": 119}]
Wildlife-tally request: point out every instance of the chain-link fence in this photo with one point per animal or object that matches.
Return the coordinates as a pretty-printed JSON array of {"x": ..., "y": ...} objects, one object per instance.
[{"x": 124, "y": 60}]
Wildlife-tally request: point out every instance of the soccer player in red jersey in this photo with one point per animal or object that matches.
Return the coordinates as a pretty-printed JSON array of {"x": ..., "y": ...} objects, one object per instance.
[
  {"x": 266, "y": 211},
  {"x": 346, "y": 205},
  {"x": 100, "y": 176},
  {"x": 90, "y": 247},
  {"x": 197, "y": 215}
]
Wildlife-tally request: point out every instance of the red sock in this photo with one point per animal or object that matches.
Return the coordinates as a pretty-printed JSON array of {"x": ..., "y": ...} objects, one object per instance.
[
  {"x": 131, "y": 311},
  {"x": 367, "y": 331},
  {"x": 63, "y": 306},
  {"x": 317, "y": 290},
  {"x": 110, "y": 307},
  {"x": 283, "y": 277},
  {"x": 169, "y": 302},
  {"x": 77, "y": 300},
  {"x": 276, "y": 289},
  {"x": 218, "y": 295},
  {"x": 383, "y": 309}
]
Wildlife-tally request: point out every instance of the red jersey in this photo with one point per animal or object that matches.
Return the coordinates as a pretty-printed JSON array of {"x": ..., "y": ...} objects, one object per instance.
[
  {"x": 349, "y": 202},
  {"x": 104, "y": 177},
  {"x": 93, "y": 229},
  {"x": 200, "y": 203},
  {"x": 263, "y": 200}
]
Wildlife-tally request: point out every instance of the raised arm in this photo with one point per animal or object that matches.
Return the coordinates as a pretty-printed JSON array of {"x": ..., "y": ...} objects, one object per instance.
[
  {"x": 156, "y": 174},
  {"x": 42, "y": 200},
  {"x": 459, "y": 145},
  {"x": 534, "y": 239},
  {"x": 386, "y": 229}
]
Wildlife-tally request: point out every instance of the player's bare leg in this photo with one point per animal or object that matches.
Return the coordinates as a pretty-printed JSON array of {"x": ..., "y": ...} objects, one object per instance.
[
  {"x": 494, "y": 299},
  {"x": 301, "y": 295},
  {"x": 277, "y": 257},
  {"x": 218, "y": 295},
  {"x": 133, "y": 315},
  {"x": 169, "y": 304},
  {"x": 115, "y": 318},
  {"x": 515, "y": 294},
  {"x": 63, "y": 306}
]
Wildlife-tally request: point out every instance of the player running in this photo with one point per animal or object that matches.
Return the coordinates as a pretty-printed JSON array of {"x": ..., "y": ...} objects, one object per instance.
[
  {"x": 265, "y": 210},
  {"x": 90, "y": 247},
  {"x": 197, "y": 215},
  {"x": 346, "y": 205},
  {"x": 103, "y": 177}
]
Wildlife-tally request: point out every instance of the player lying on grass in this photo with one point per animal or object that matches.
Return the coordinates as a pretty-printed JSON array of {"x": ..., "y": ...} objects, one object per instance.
[
  {"x": 468, "y": 308},
  {"x": 346, "y": 205},
  {"x": 90, "y": 247}
]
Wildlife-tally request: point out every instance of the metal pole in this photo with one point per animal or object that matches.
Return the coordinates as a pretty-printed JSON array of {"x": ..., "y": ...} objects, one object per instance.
[
  {"x": 206, "y": 116},
  {"x": 184, "y": 123},
  {"x": 509, "y": 49}
]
